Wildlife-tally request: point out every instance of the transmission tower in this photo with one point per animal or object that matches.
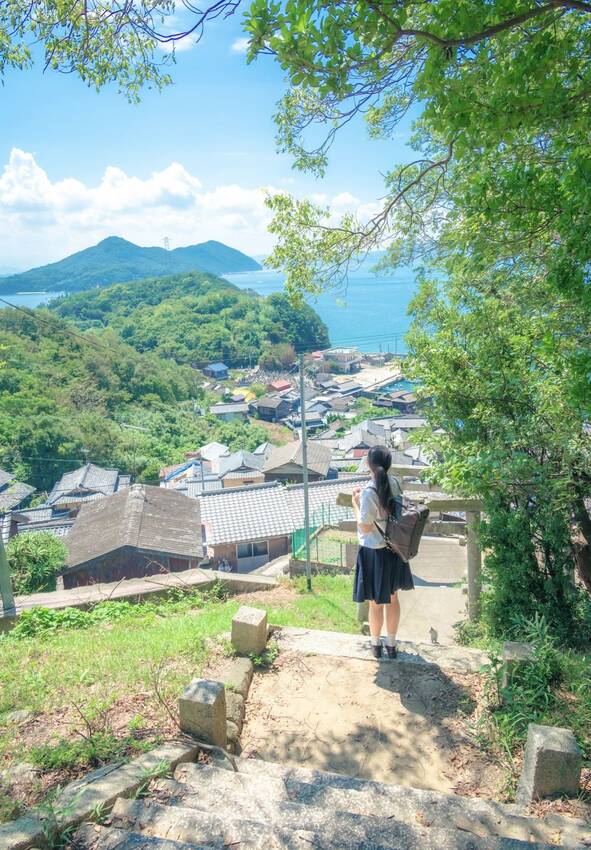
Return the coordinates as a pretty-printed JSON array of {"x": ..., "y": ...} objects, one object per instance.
[{"x": 166, "y": 243}]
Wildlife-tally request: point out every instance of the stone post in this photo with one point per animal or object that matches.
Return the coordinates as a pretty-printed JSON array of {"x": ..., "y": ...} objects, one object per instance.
[
  {"x": 363, "y": 615},
  {"x": 515, "y": 655},
  {"x": 202, "y": 711},
  {"x": 249, "y": 630},
  {"x": 552, "y": 764},
  {"x": 474, "y": 565},
  {"x": 6, "y": 596}
]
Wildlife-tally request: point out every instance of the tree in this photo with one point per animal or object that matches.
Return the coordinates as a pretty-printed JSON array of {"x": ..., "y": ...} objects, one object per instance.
[{"x": 34, "y": 561}]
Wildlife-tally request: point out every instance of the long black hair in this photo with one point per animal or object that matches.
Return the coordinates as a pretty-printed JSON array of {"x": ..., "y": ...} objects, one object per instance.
[{"x": 380, "y": 461}]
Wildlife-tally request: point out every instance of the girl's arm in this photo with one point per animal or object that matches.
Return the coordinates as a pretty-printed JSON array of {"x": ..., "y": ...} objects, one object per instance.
[{"x": 364, "y": 527}]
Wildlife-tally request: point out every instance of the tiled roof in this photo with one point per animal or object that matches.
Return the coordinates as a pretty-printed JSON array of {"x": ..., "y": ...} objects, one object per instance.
[
  {"x": 14, "y": 494},
  {"x": 256, "y": 512},
  {"x": 319, "y": 457},
  {"x": 210, "y": 451},
  {"x": 144, "y": 517},
  {"x": 262, "y": 511},
  {"x": 272, "y": 402},
  {"x": 84, "y": 482},
  {"x": 242, "y": 460},
  {"x": 237, "y": 407},
  {"x": 5, "y": 477}
]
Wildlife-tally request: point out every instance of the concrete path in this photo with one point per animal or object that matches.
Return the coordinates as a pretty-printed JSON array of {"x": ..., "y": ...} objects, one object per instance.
[{"x": 134, "y": 589}]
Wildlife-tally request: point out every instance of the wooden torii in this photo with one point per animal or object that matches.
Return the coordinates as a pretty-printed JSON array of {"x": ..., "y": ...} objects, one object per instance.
[{"x": 436, "y": 500}]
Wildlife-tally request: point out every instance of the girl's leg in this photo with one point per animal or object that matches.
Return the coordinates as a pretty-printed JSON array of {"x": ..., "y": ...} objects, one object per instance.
[
  {"x": 392, "y": 617},
  {"x": 376, "y": 619}
]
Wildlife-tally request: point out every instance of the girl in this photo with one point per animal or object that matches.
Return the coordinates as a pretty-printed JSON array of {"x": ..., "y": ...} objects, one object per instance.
[{"x": 379, "y": 574}]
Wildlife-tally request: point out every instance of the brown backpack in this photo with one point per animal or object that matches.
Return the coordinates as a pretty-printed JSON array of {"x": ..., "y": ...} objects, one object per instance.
[{"x": 404, "y": 529}]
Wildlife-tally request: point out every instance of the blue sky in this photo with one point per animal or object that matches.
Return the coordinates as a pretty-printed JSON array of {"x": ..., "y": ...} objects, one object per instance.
[{"x": 189, "y": 163}]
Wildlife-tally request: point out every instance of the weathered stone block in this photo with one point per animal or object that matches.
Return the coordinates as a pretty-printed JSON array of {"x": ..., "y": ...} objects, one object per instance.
[
  {"x": 514, "y": 655},
  {"x": 235, "y": 708},
  {"x": 202, "y": 711},
  {"x": 233, "y": 731},
  {"x": 552, "y": 764},
  {"x": 249, "y": 630},
  {"x": 237, "y": 675}
]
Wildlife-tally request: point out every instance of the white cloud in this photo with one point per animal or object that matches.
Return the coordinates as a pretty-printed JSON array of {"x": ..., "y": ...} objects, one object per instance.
[
  {"x": 43, "y": 220},
  {"x": 180, "y": 45},
  {"x": 240, "y": 45},
  {"x": 344, "y": 200}
]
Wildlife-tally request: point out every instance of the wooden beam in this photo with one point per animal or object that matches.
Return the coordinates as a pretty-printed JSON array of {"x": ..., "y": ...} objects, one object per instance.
[
  {"x": 437, "y": 501},
  {"x": 442, "y": 527}
]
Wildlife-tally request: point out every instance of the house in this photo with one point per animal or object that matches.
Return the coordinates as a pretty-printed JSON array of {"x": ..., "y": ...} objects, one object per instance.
[
  {"x": 171, "y": 476},
  {"x": 241, "y": 469},
  {"x": 229, "y": 412},
  {"x": 341, "y": 404},
  {"x": 12, "y": 492},
  {"x": 55, "y": 520},
  {"x": 403, "y": 400},
  {"x": 314, "y": 421},
  {"x": 350, "y": 388},
  {"x": 249, "y": 526},
  {"x": 278, "y": 386},
  {"x": 86, "y": 484},
  {"x": 344, "y": 359},
  {"x": 139, "y": 531},
  {"x": 217, "y": 371},
  {"x": 272, "y": 408},
  {"x": 211, "y": 452},
  {"x": 285, "y": 462}
]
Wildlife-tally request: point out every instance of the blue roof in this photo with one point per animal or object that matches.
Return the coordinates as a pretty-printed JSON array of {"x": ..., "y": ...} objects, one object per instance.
[
  {"x": 181, "y": 468},
  {"x": 218, "y": 367}
]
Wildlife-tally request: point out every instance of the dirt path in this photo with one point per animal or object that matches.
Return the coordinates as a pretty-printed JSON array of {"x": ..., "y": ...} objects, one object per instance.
[{"x": 392, "y": 722}]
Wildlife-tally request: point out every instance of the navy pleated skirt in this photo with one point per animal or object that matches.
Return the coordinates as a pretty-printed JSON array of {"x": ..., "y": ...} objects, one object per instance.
[{"x": 378, "y": 574}]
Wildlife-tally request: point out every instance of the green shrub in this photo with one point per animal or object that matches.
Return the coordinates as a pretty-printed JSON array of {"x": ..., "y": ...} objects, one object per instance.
[
  {"x": 531, "y": 692},
  {"x": 83, "y": 752},
  {"x": 34, "y": 561}
]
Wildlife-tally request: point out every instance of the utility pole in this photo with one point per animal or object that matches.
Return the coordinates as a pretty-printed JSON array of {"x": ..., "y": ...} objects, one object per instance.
[
  {"x": 5, "y": 584},
  {"x": 304, "y": 439}
]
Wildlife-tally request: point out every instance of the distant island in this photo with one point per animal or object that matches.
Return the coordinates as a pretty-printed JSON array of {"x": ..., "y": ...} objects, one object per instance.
[{"x": 115, "y": 260}]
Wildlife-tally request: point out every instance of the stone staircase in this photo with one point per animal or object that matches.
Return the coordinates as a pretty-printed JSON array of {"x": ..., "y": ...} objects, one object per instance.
[{"x": 267, "y": 806}]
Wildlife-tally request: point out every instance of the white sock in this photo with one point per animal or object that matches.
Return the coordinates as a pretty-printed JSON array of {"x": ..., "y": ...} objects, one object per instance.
[
  {"x": 375, "y": 641},
  {"x": 391, "y": 640}
]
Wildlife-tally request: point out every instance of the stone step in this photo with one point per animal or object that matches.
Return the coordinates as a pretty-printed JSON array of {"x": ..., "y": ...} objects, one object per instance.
[
  {"x": 343, "y": 645},
  {"x": 90, "y": 836},
  {"x": 236, "y": 818},
  {"x": 268, "y": 782},
  {"x": 208, "y": 827}
]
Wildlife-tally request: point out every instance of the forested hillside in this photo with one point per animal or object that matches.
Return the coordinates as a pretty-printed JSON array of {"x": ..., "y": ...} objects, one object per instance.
[
  {"x": 115, "y": 260},
  {"x": 194, "y": 318},
  {"x": 65, "y": 399}
]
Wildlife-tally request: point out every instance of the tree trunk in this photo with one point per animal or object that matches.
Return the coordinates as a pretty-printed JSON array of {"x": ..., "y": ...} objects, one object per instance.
[{"x": 582, "y": 545}]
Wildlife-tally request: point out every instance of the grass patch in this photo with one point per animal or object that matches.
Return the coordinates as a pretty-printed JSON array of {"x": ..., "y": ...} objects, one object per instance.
[
  {"x": 73, "y": 668},
  {"x": 553, "y": 690}
]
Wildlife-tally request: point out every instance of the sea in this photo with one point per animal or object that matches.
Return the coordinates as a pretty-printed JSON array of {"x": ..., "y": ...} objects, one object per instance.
[{"x": 369, "y": 312}]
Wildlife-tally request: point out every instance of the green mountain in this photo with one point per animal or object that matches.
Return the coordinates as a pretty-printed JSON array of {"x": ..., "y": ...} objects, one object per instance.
[
  {"x": 114, "y": 260},
  {"x": 194, "y": 318},
  {"x": 66, "y": 399}
]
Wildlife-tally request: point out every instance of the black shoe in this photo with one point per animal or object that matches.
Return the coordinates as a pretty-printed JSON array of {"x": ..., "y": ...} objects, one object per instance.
[
  {"x": 376, "y": 650},
  {"x": 392, "y": 651}
]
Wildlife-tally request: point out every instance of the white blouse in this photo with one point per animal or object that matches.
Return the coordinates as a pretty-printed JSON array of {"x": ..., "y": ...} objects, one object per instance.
[{"x": 371, "y": 511}]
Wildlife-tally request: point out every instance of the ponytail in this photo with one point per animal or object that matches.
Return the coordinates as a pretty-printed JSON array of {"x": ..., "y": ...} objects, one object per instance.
[{"x": 380, "y": 460}]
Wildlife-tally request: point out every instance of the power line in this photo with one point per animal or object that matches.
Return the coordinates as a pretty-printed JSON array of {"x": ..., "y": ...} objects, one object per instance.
[{"x": 32, "y": 315}]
